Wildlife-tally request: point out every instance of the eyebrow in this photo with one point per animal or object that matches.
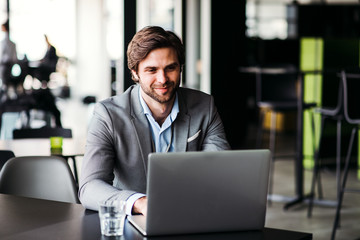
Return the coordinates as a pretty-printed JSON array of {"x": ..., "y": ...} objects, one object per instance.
[
  {"x": 149, "y": 68},
  {"x": 174, "y": 64}
]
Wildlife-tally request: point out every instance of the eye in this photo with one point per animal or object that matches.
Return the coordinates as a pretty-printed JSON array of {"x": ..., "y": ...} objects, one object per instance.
[
  {"x": 171, "y": 68},
  {"x": 150, "y": 70}
]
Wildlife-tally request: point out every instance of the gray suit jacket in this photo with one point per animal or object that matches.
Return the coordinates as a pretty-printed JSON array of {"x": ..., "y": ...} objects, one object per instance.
[{"x": 119, "y": 141}]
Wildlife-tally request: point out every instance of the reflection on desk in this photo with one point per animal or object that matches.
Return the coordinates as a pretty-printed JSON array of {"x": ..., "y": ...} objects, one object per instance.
[{"x": 27, "y": 218}]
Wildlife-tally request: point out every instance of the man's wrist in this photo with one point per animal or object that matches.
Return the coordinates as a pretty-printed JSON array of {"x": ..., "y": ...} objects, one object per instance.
[
  {"x": 140, "y": 206},
  {"x": 130, "y": 202}
]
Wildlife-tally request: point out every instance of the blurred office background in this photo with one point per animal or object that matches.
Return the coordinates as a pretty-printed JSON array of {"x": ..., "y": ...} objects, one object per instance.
[
  {"x": 220, "y": 37},
  {"x": 91, "y": 37}
]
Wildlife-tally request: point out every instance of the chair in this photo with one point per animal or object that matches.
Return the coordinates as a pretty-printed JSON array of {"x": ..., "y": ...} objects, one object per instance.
[
  {"x": 277, "y": 91},
  {"x": 44, "y": 132},
  {"x": 4, "y": 156},
  {"x": 39, "y": 177},
  {"x": 45, "y": 100},
  {"x": 351, "y": 86},
  {"x": 46, "y": 67},
  {"x": 336, "y": 114}
]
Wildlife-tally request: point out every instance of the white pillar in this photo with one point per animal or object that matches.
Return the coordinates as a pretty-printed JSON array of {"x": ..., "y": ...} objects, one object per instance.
[
  {"x": 92, "y": 62},
  {"x": 178, "y": 14},
  {"x": 192, "y": 43},
  {"x": 205, "y": 55}
]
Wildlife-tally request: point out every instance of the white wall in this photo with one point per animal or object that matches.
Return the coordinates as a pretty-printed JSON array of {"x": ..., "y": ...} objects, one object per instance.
[{"x": 92, "y": 62}]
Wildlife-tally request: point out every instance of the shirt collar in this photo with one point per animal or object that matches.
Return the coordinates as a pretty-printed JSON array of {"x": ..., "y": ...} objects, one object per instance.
[{"x": 146, "y": 109}]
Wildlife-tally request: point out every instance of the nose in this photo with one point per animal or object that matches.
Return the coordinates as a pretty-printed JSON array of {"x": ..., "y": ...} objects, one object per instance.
[{"x": 162, "y": 78}]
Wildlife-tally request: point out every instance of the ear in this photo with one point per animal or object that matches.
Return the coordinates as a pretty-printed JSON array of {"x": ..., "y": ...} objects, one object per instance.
[{"x": 134, "y": 74}]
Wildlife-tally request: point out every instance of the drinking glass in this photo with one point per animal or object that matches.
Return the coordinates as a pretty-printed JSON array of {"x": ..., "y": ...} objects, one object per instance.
[{"x": 112, "y": 217}]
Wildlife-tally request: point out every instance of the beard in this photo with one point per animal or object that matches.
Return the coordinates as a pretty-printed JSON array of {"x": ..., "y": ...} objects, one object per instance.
[{"x": 161, "y": 98}]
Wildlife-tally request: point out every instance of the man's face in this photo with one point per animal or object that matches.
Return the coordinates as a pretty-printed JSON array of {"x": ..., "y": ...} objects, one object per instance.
[{"x": 159, "y": 75}]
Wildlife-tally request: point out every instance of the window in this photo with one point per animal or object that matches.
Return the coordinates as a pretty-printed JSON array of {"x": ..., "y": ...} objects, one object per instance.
[
  {"x": 164, "y": 13},
  {"x": 161, "y": 13},
  {"x": 30, "y": 20},
  {"x": 114, "y": 40},
  {"x": 277, "y": 19},
  {"x": 271, "y": 19}
]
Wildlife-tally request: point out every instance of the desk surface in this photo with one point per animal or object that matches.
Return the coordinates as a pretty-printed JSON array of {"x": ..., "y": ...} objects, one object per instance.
[
  {"x": 41, "y": 147},
  {"x": 27, "y": 218}
]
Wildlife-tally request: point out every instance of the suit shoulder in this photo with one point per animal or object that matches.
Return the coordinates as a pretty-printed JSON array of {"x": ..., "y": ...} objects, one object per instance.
[
  {"x": 118, "y": 102},
  {"x": 193, "y": 93},
  {"x": 195, "y": 100}
]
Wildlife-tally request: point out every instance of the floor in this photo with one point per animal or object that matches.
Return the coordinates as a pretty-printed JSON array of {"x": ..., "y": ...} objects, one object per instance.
[
  {"x": 76, "y": 115},
  {"x": 322, "y": 220}
]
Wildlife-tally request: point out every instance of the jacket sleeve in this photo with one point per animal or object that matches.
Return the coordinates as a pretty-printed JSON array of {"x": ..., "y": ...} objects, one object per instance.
[
  {"x": 215, "y": 138},
  {"x": 97, "y": 172}
]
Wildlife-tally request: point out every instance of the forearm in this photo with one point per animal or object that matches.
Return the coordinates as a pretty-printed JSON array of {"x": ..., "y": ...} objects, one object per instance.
[{"x": 92, "y": 192}]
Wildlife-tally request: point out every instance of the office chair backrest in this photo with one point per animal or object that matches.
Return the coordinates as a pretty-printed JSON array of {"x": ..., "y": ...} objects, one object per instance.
[
  {"x": 351, "y": 87},
  {"x": 4, "y": 156},
  {"x": 44, "y": 177},
  {"x": 44, "y": 132},
  {"x": 332, "y": 92},
  {"x": 277, "y": 85}
]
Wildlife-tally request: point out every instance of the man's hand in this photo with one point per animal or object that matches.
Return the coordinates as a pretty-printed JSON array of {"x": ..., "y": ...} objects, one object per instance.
[{"x": 140, "y": 206}]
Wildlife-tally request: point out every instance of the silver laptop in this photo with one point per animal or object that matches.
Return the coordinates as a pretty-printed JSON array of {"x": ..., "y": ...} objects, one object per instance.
[{"x": 204, "y": 192}]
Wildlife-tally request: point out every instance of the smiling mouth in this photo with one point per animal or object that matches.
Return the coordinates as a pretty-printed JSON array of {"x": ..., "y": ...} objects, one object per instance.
[{"x": 163, "y": 89}]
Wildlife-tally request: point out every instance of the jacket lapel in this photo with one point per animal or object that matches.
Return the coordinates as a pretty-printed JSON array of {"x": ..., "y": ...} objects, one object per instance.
[
  {"x": 181, "y": 132},
  {"x": 141, "y": 126},
  {"x": 144, "y": 138},
  {"x": 181, "y": 126}
]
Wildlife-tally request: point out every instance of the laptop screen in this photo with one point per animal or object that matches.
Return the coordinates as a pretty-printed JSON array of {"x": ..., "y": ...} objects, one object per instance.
[{"x": 197, "y": 192}]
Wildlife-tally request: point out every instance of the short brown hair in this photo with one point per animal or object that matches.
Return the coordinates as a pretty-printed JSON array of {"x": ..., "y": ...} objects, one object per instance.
[
  {"x": 151, "y": 38},
  {"x": 5, "y": 25}
]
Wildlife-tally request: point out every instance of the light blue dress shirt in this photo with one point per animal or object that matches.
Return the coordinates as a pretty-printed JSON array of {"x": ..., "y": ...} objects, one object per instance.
[
  {"x": 161, "y": 139},
  {"x": 161, "y": 135}
]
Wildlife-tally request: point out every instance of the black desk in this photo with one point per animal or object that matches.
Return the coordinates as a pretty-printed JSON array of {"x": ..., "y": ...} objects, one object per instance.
[{"x": 35, "y": 219}]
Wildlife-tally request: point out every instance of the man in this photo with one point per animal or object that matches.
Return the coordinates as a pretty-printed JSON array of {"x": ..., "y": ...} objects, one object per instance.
[
  {"x": 47, "y": 65},
  {"x": 153, "y": 115},
  {"x": 8, "y": 56}
]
